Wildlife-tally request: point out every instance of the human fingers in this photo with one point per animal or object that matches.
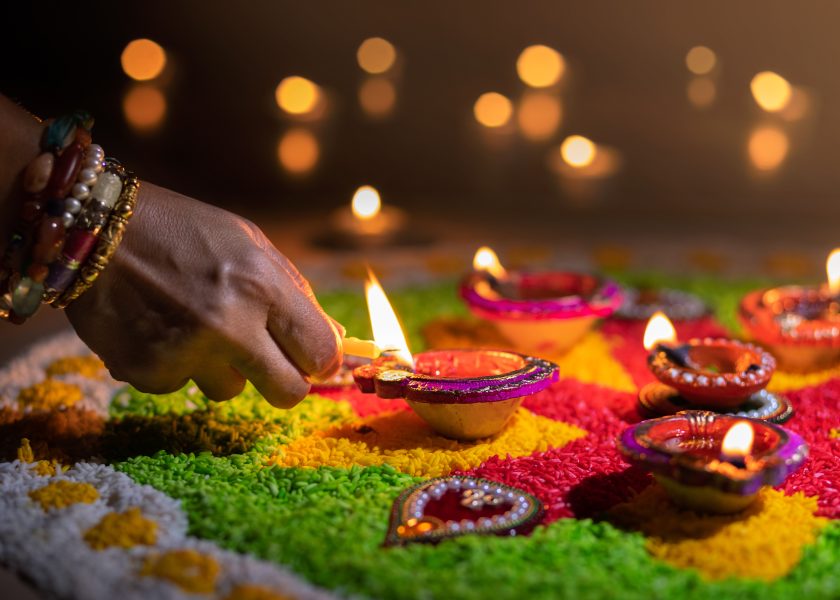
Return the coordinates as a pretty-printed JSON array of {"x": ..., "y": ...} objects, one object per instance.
[
  {"x": 303, "y": 330},
  {"x": 219, "y": 382},
  {"x": 271, "y": 372}
]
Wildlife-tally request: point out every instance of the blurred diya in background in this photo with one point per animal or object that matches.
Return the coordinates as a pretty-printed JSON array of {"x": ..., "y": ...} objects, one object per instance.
[
  {"x": 710, "y": 462},
  {"x": 641, "y": 303},
  {"x": 368, "y": 223},
  {"x": 461, "y": 394},
  {"x": 800, "y": 325},
  {"x": 725, "y": 376},
  {"x": 543, "y": 313}
]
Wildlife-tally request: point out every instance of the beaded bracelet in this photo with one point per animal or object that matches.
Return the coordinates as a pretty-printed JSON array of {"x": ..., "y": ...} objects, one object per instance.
[
  {"x": 82, "y": 238},
  {"x": 38, "y": 235},
  {"x": 109, "y": 238},
  {"x": 76, "y": 209}
]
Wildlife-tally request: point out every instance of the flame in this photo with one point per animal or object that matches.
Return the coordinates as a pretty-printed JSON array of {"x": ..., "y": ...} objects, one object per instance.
[
  {"x": 387, "y": 332},
  {"x": 832, "y": 267},
  {"x": 486, "y": 260},
  {"x": 366, "y": 203},
  {"x": 659, "y": 329},
  {"x": 738, "y": 440}
]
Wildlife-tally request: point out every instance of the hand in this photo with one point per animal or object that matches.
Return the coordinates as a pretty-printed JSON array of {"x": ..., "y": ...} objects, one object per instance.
[{"x": 195, "y": 292}]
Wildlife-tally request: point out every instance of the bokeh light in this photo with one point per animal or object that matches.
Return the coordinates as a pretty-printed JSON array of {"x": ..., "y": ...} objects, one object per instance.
[
  {"x": 539, "y": 115},
  {"x": 701, "y": 92},
  {"x": 376, "y": 55},
  {"x": 768, "y": 147},
  {"x": 540, "y": 66},
  {"x": 297, "y": 95},
  {"x": 144, "y": 108},
  {"x": 298, "y": 151},
  {"x": 143, "y": 59},
  {"x": 492, "y": 109},
  {"x": 799, "y": 106},
  {"x": 771, "y": 91},
  {"x": 700, "y": 60},
  {"x": 578, "y": 151},
  {"x": 366, "y": 203},
  {"x": 377, "y": 97}
]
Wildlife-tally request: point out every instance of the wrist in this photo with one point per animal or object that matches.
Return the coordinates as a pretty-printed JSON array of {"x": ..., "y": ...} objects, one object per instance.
[{"x": 18, "y": 147}]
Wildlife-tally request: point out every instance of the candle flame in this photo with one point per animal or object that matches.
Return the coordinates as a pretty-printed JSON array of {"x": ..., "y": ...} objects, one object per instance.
[
  {"x": 738, "y": 440},
  {"x": 832, "y": 267},
  {"x": 659, "y": 329},
  {"x": 387, "y": 332},
  {"x": 366, "y": 203},
  {"x": 486, "y": 260}
]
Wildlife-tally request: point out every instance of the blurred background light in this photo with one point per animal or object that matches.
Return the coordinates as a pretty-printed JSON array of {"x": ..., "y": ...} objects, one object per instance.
[
  {"x": 376, "y": 55},
  {"x": 144, "y": 108},
  {"x": 701, "y": 92},
  {"x": 377, "y": 96},
  {"x": 143, "y": 59},
  {"x": 700, "y": 60},
  {"x": 771, "y": 91},
  {"x": 539, "y": 115},
  {"x": 578, "y": 151},
  {"x": 540, "y": 66},
  {"x": 298, "y": 151},
  {"x": 366, "y": 203},
  {"x": 492, "y": 109},
  {"x": 768, "y": 147},
  {"x": 297, "y": 95}
]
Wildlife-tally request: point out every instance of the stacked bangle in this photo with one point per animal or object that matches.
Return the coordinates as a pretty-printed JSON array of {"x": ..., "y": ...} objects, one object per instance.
[{"x": 72, "y": 195}]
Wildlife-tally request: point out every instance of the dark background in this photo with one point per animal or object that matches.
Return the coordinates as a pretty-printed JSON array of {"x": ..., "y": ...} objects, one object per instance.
[{"x": 626, "y": 88}]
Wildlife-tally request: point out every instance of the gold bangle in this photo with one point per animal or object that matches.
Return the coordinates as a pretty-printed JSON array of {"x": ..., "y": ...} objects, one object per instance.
[{"x": 109, "y": 238}]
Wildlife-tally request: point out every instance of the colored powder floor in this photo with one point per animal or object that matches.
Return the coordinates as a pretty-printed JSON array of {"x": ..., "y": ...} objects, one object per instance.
[{"x": 311, "y": 488}]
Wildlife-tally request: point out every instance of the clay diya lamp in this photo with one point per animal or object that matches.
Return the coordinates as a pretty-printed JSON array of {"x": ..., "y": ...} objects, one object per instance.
[
  {"x": 640, "y": 304},
  {"x": 726, "y": 376},
  {"x": 447, "y": 507},
  {"x": 462, "y": 394},
  {"x": 540, "y": 312},
  {"x": 800, "y": 325},
  {"x": 710, "y": 462}
]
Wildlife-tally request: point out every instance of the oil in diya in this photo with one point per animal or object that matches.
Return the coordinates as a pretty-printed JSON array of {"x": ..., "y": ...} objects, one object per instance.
[
  {"x": 543, "y": 313},
  {"x": 800, "y": 325},
  {"x": 710, "y": 462},
  {"x": 721, "y": 375},
  {"x": 462, "y": 394}
]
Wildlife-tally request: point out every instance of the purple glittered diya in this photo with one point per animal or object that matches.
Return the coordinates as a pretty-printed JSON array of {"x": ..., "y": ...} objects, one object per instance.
[
  {"x": 540, "y": 312},
  {"x": 705, "y": 461},
  {"x": 461, "y": 394}
]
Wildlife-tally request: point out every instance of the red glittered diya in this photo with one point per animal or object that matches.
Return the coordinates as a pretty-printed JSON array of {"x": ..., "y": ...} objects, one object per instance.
[{"x": 713, "y": 373}]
